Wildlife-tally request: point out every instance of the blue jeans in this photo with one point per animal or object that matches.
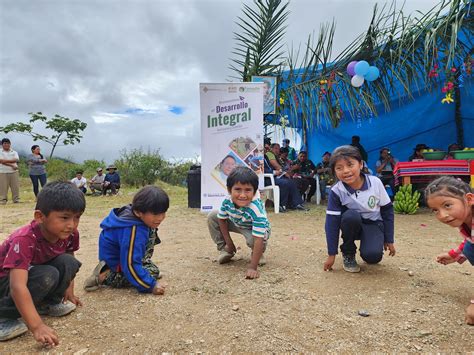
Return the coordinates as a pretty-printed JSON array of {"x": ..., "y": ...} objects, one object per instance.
[
  {"x": 468, "y": 251},
  {"x": 35, "y": 179}
]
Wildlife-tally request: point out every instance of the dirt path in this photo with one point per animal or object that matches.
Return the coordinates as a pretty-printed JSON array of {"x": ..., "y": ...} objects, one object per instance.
[{"x": 293, "y": 306}]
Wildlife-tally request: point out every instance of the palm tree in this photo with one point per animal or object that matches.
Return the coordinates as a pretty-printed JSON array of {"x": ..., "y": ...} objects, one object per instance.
[{"x": 259, "y": 47}]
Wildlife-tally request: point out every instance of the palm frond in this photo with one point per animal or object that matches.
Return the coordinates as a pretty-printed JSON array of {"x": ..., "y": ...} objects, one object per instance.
[
  {"x": 259, "y": 48},
  {"x": 404, "y": 48}
]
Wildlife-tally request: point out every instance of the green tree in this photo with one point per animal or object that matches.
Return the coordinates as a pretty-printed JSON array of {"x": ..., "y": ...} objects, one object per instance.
[{"x": 67, "y": 131}]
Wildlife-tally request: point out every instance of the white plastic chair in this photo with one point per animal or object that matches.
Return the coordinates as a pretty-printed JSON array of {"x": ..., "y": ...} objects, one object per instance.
[
  {"x": 274, "y": 192},
  {"x": 318, "y": 190}
]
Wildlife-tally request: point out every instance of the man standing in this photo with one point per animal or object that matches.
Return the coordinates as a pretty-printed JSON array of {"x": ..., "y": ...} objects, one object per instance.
[
  {"x": 291, "y": 150},
  {"x": 9, "y": 177},
  {"x": 356, "y": 143}
]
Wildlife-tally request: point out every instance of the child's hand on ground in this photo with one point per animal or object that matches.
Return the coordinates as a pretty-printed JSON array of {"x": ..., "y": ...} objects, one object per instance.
[
  {"x": 470, "y": 314},
  {"x": 329, "y": 262},
  {"x": 252, "y": 274},
  {"x": 390, "y": 247},
  {"x": 230, "y": 248},
  {"x": 45, "y": 335},
  {"x": 159, "y": 289},
  {"x": 445, "y": 259},
  {"x": 69, "y": 296}
]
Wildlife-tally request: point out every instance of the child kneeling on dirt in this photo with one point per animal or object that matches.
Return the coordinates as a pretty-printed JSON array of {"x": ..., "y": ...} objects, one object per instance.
[
  {"x": 37, "y": 265},
  {"x": 359, "y": 207},
  {"x": 126, "y": 243},
  {"x": 241, "y": 212}
]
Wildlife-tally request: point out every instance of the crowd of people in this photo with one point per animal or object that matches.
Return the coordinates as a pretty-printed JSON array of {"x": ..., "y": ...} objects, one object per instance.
[
  {"x": 296, "y": 169},
  {"x": 36, "y": 162},
  {"x": 36, "y": 283}
]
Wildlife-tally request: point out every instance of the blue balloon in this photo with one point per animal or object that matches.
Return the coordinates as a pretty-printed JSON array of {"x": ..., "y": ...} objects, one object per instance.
[
  {"x": 361, "y": 68},
  {"x": 372, "y": 74}
]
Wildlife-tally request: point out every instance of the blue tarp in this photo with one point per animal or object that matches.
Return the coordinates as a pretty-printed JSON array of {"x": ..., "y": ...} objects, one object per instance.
[{"x": 423, "y": 120}]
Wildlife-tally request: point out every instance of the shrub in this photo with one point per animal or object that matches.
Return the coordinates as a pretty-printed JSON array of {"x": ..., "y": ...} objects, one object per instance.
[
  {"x": 61, "y": 169},
  {"x": 176, "y": 173},
  {"x": 138, "y": 168}
]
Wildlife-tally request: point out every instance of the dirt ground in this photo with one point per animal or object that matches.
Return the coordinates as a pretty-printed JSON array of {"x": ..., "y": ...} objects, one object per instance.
[{"x": 293, "y": 307}]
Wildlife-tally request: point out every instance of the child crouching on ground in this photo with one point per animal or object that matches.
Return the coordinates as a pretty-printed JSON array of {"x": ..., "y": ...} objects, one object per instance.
[
  {"x": 126, "y": 243},
  {"x": 452, "y": 201},
  {"x": 242, "y": 212},
  {"x": 359, "y": 207},
  {"x": 37, "y": 265}
]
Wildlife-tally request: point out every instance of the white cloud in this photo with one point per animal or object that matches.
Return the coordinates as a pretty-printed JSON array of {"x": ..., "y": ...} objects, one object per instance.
[
  {"x": 104, "y": 117},
  {"x": 98, "y": 61}
]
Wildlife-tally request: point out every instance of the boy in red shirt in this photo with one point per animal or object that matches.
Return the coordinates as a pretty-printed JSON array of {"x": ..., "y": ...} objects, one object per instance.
[{"x": 37, "y": 265}]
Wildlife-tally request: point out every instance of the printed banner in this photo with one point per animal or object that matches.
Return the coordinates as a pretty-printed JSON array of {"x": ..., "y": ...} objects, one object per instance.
[
  {"x": 269, "y": 90},
  {"x": 231, "y": 135}
]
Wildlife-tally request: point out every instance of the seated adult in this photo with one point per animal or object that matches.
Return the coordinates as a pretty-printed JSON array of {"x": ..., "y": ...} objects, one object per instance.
[
  {"x": 111, "y": 181},
  {"x": 326, "y": 177},
  {"x": 80, "y": 181},
  {"x": 290, "y": 197},
  {"x": 97, "y": 182},
  {"x": 306, "y": 169},
  {"x": 385, "y": 166},
  {"x": 418, "y": 152},
  {"x": 282, "y": 167},
  {"x": 451, "y": 148},
  {"x": 291, "y": 171}
]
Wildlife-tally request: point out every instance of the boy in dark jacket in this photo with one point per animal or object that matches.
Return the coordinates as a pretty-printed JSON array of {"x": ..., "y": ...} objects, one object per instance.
[{"x": 126, "y": 244}]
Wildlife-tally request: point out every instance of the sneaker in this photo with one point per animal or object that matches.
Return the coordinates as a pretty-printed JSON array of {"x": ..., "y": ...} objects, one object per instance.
[
  {"x": 301, "y": 208},
  {"x": 11, "y": 328},
  {"x": 224, "y": 257},
  {"x": 57, "y": 310},
  {"x": 92, "y": 283},
  {"x": 350, "y": 264},
  {"x": 282, "y": 209}
]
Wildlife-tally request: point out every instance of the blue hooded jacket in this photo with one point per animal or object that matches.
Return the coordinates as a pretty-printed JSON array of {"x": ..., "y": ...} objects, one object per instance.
[{"x": 122, "y": 245}]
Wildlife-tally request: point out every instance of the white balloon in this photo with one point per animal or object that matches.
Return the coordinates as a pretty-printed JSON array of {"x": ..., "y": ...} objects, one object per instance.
[{"x": 357, "y": 81}]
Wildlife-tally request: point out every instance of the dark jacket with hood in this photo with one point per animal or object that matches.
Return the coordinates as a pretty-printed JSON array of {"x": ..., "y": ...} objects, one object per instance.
[{"x": 122, "y": 245}]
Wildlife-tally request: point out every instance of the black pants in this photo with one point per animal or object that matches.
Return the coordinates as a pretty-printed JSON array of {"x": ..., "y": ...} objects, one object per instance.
[
  {"x": 35, "y": 180},
  {"x": 113, "y": 187},
  {"x": 312, "y": 187},
  {"x": 370, "y": 234},
  {"x": 46, "y": 283}
]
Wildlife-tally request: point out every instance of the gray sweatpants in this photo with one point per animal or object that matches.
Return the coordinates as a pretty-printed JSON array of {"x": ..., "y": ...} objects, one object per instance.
[{"x": 218, "y": 238}]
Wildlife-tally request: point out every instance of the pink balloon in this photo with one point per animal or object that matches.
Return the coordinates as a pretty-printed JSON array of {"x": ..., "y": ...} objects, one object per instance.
[{"x": 351, "y": 67}]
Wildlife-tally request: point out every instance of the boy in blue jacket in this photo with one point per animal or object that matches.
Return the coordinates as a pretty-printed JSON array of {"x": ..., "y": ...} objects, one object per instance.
[{"x": 126, "y": 244}]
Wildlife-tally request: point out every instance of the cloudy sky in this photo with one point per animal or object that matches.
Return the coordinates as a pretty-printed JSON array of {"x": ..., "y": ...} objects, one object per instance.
[{"x": 131, "y": 69}]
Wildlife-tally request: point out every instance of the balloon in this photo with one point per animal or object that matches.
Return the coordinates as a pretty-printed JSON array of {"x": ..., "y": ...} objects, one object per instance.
[
  {"x": 350, "y": 68},
  {"x": 372, "y": 74},
  {"x": 357, "y": 81},
  {"x": 361, "y": 68}
]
